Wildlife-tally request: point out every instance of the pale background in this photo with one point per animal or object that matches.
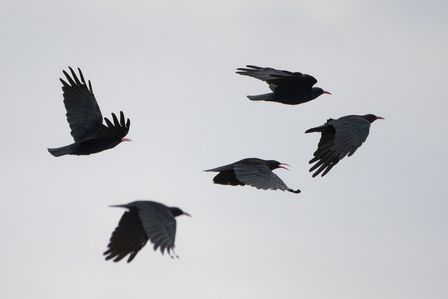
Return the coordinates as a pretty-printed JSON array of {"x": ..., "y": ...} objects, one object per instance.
[{"x": 375, "y": 227}]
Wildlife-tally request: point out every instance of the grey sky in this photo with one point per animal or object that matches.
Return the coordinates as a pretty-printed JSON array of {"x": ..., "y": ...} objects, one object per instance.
[{"x": 374, "y": 227}]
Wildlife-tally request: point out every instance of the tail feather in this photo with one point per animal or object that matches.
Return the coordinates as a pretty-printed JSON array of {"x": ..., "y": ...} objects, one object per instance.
[
  {"x": 61, "y": 151},
  {"x": 323, "y": 128},
  {"x": 262, "y": 97}
]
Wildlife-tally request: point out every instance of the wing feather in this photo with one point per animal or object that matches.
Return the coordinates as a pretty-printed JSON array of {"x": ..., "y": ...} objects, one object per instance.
[
  {"x": 277, "y": 77},
  {"x": 159, "y": 225},
  {"x": 116, "y": 129},
  {"x": 339, "y": 138},
  {"x": 128, "y": 238},
  {"x": 83, "y": 113},
  {"x": 258, "y": 176}
]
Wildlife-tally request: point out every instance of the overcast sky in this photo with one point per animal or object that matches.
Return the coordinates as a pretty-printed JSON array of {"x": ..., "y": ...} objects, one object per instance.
[{"x": 374, "y": 227}]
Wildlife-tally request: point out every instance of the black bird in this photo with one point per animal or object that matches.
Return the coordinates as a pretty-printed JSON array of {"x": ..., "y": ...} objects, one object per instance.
[
  {"x": 251, "y": 171},
  {"x": 339, "y": 138},
  {"x": 144, "y": 220},
  {"x": 85, "y": 120},
  {"x": 288, "y": 87}
]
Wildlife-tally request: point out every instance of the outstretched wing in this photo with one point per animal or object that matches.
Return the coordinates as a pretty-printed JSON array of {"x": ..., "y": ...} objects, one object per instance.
[
  {"x": 83, "y": 113},
  {"x": 118, "y": 129},
  {"x": 259, "y": 176},
  {"x": 278, "y": 78},
  {"x": 221, "y": 168},
  {"x": 262, "y": 73},
  {"x": 159, "y": 225},
  {"x": 341, "y": 137},
  {"x": 128, "y": 238}
]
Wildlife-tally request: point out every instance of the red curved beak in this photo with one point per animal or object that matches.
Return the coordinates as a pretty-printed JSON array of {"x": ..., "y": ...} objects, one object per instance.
[
  {"x": 284, "y": 167},
  {"x": 186, "y": 214},
  {"x": 379, "y": 117},
  {"x": 125, "y": 139},
  {"x": 326, "y": 92}
]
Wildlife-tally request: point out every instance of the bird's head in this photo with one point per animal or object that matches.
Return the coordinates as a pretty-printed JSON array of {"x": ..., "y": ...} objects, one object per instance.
[
  {"x": 177, "y": 212},
  {"x": 371, "y": 117},
  {"x": 317, "y": 91},
  {"x": 272, "y": 164}
]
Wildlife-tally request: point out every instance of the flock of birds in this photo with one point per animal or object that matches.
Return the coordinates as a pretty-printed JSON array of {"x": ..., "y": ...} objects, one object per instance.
[{"x": 153, "y": 221}]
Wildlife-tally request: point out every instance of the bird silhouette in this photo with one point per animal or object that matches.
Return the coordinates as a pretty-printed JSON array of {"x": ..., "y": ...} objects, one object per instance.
[
  {"x": 340, "y": 138},
  {"x": 251, "y": 171},
  {"x": 85, "y": 120},
  {"x": 144, "y": 220},
  {"x": 287, "y": 87}
]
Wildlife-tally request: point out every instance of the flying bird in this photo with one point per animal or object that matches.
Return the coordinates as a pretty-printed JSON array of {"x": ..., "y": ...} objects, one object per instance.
[
  {"x": 287, "y": 87},
  {"x": 339, "y": 138},
  {"x": 85, "y": 120},
  {"x": 251, "y": 171},
  {"x": 144, "y": 220}
]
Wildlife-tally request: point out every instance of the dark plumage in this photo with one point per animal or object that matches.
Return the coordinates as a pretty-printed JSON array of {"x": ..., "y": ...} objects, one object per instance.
[
  {"x": 288, "y": 87},
  {"x": 85, "y": 120},
  {"x": 339, "y": 138},
  {"x": 252, "y": 171},
  {"x": 144, "y": 220}
]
